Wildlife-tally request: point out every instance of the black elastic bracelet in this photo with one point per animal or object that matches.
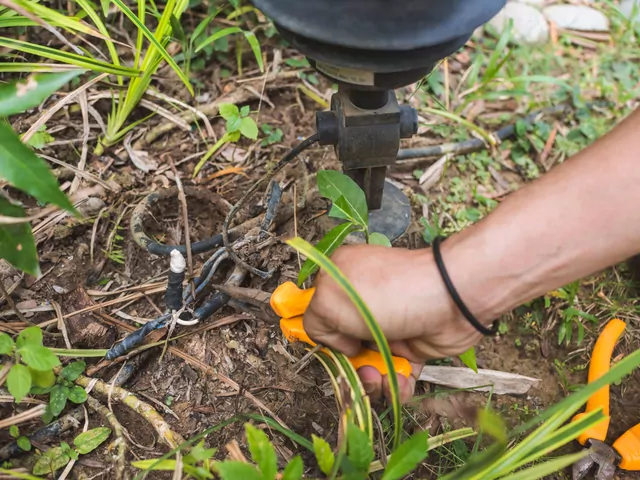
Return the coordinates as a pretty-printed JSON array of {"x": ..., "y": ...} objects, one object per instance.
[{"x": 435, "y": 247}]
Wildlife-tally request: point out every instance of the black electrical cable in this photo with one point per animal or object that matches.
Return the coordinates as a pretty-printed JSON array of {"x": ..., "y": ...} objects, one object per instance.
[
  {"x": 475, "y": 144},
  {"x": 437, "y": 255}
]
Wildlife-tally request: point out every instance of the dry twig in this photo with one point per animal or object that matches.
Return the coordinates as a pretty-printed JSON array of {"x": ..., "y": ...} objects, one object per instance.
[{"x": 119, "y": 445}]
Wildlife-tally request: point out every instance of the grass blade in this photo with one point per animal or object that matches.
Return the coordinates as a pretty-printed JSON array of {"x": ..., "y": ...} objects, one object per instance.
[
  {"x": 486, "y": 136},
  {"x": 547, "y": 468},
  {"x": 154, "y": 41},
  {"x": 66, "y": 57},
  {"x": 13, "y": 67},
  {"x": 75, "y": 352},
  {"x": 383, "y": 346}
]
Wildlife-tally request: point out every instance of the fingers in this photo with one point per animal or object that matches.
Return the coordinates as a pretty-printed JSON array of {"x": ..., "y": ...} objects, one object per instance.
[
  {"x": 321, "y": 331},
  {"x": 377, "y": 385}
]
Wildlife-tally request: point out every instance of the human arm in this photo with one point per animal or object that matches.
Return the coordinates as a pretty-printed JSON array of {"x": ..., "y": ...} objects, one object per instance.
[{"x": 581, "y": 217}]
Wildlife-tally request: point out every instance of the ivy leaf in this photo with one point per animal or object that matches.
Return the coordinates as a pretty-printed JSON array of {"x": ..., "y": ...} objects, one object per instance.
[
  {"x": 58, "y": 399},
  {"x": 19, "y": 381},
  {"x": 24, "y": 443},
  {"x": 77, "y": 394},
  {"x": 17, "y": 245},
  {"x": 407, "y": 457},
  {"x": 91, "y": 439},
  {"x": 21, "y": 95},
  {"x": 379, "y": 239},
  {"x": 54, "y": 459},
  {"x": 248, "y": 128},
  {"x": 324, "y": 455},
  {"x": 359, "y": 448},
  {"x": 293, "y": 471},
  {"x": 39, "y": 357},
  {"x": 26, "y": 171},
  {"x": 327, "y": 245},
  {"x": 469, "y": 359},
  {"x": 262, "y": 452},
  {"x": 234, "y": 470},
  {"x": 333, "y": 185},
  {"x": 229, "y": 111},
  {"x": 29, "y": 336},
  {"x": 72, "y": 371},
  {"x": 6, "y": 344}
]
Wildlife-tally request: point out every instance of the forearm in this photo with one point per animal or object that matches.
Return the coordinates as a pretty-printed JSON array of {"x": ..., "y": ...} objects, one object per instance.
[{"x": 578, "y": 219}]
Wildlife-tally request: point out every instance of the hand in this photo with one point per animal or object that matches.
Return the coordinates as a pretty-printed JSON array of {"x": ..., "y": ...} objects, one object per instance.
[{"x": 405, "y": 293}]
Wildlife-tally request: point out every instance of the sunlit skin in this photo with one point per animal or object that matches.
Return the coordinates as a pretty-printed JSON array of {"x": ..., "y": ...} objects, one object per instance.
[{"x": 580, "y": 218}]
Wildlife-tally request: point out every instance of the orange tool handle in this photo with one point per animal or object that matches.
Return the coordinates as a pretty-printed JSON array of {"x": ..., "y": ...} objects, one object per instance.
[
  {"x": 290, "y": 302},
  {"x": 628, "y": 446},
  {"x": 294, "y": 331},
  {"x": 599, "y": 365}
]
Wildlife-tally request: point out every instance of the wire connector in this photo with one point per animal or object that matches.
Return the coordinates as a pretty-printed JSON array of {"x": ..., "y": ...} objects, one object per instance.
[{"x": 177, "y": 267}]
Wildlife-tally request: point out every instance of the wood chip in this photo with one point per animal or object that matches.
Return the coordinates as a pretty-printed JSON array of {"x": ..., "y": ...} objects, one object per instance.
[{"x": 500, "y": 383}]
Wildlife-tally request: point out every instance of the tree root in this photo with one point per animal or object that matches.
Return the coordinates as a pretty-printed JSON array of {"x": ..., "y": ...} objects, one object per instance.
[
  {"x": 119, "y": 444},
  {"x": 150, "y": 414}
]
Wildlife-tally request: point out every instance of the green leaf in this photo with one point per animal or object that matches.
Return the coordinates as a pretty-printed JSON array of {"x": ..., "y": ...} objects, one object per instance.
[
  {"x": 262, "y": 452},
  {"x": 374, "y": 328},
  {"x": 341, "y": 208},
  {"x": 14, "y": 431},
  {"x": 324, "y": 455},
  {"x": 293, "y": 471},
  {"x": 245, "y": 110},
  {"x": 248, "y": 128},
  {"x": 327, "y": 245},
  {"x": 24, "y": 443},
  {"x": 77, "y": 394},
  {"x": 359, "y": 448},
  {"x": 234, "y": 470},
  {"x": 379, "y": 239},
  {"x": 333, "y": 185},
  {"x": 17, "y": 245},
  {"x": 40, "y": 139},
  {"x": 545, "y": 469},
  {"x": 229, "y": 111},
  {"x": 155, "y": 464},
  {"x": 493, "y": 425},
  {"x": 234, "y": 125},
  {"x": 19, "y": 381},
  {"x": 154, "y": 41},
  {"x": 54, "y": 459},
  {"x": 469, "y": 359},
  {"x": 29, "y": 336},
  {"x": 72, "y": 371},
  {"x": 91, "y": 439},
  {"x": 198, "y": 454},
  {"x": 21, "y": 95},
  {"x": 43, "y": 379},
  {"x": 58, "y": 55},
  {"x": 39, "y": 357},
  {"x": 24, "y": 170},
  {"x": 177, "y": 29},
  {"x": 58, "y": 399},
  {"x": 6, "y": 344},
  {"x": 249, "y": 36},
  {"x": 407, "y": 457}
]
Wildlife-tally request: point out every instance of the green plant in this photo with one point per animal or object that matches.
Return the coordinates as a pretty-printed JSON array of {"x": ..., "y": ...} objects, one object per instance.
[
  {"x": 273, "y": 135},
  {"x": 238, "y": 124},
  {"x": 57, "y": 457},
  {"x": 569, "y": 314},
  {"x": 64, "y": 389},
  {"x": 33, "y": 363},
  {"x": 24, "y": 170},
  {"x": 348, "y": 203},
  {"x": 23, "y": 442}
]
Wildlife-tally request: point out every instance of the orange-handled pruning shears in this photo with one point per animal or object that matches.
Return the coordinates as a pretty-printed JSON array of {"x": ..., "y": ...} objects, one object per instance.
[
  {"x": 625, "y": 451},
  {"x": 289, "y": 303}
]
